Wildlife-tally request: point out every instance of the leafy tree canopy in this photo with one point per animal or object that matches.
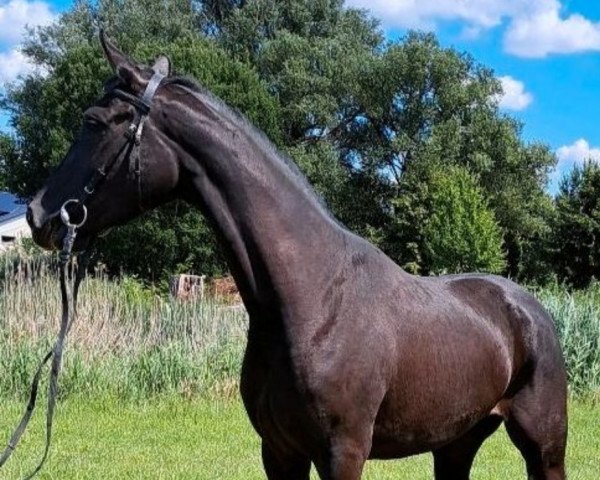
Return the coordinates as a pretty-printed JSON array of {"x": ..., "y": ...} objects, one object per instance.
[
  {"x": 364, "y": 118},
  {"x": 388, "y": 108},
  {"x": 47, "y": 112},
  {"x": 576, "y": 232}
]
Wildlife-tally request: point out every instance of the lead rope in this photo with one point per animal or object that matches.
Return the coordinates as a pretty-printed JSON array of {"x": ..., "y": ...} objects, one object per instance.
[{"x": 69, "y": 299}]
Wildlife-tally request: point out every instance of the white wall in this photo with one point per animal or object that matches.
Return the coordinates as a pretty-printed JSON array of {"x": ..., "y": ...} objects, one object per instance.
[{"x": 17, "y": 227}]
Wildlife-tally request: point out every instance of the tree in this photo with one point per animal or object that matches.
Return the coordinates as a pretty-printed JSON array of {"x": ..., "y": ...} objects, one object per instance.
[
  {"x": 311, "y": 54},
  {"x": 46, "y": 111},
  {"x": 388, "y": 108},
  {"x": 364, "y": 118},
  {"x": 423, "y": 106},
  {"x": 576, "y": 232},
  {"x": 461, "y": 234}
]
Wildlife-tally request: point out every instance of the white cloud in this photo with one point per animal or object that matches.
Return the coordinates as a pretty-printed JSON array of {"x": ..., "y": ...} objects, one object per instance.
[
  {"x": 546, "y": 33},
  {"x": 426, "y": 13},
  {"x": 16, "y": 14},
  {"x": 535, "y": 28},
  {"x": 576, "y": 154},
  {"x": 569, "y": 156},
  {"x": 515, "y": 97},
  {"x": 13, "y": 64}
]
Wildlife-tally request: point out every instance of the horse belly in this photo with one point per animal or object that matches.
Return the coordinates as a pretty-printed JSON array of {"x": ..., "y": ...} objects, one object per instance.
[{"x": 439, "y": 398}]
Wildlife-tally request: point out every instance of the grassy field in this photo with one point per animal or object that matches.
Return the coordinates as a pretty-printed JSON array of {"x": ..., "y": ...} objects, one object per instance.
[{"x": 178, "y": 439}]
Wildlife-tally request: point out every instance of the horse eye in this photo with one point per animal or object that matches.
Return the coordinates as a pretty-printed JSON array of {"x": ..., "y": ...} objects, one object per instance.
[{"x": 94, "y": 122}]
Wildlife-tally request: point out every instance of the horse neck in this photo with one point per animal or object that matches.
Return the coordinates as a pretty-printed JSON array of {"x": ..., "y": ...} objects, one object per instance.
[{"x": 280, "y": 241}]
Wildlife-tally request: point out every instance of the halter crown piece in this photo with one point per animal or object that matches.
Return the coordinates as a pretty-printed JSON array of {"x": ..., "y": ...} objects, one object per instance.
[
  {"x": 69, "y": 299},
  {"x": 143, "y": 105}
]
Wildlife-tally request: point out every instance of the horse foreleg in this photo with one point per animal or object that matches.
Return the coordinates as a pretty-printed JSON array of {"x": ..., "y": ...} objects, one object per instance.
[
  {"x": 278, "y": 467},
  {"x": 344, "y": 459}
]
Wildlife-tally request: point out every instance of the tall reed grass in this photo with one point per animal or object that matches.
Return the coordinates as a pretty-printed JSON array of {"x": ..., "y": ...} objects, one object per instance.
[
  {"x": 126, "y": 342},
  {"x": 131, "y": 343},
  {"x": 577, "y": 319}
]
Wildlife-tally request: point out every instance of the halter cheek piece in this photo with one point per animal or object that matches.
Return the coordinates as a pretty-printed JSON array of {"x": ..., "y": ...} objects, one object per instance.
[{"x": 131, "y": 148}]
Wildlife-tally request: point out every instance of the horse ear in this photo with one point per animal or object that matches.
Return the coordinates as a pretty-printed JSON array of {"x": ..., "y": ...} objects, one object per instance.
[
  {"x": 125, "y": 69},
  {"x": 162, "y": 66},
  {"x": 115, "y": 57}
]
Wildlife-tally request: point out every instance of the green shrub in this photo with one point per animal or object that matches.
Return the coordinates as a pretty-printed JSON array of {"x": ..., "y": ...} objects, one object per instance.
[{"x": 462, "y": 234}]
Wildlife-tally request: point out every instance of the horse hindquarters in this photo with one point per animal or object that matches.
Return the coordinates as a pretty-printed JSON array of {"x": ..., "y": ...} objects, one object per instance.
[
  {"x": 534, "y": 406},
  {"x": 537, "y": 414}
]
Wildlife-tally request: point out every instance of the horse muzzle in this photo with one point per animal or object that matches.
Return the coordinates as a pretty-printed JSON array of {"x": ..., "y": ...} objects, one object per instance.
[{"x": 49, "y": 235}]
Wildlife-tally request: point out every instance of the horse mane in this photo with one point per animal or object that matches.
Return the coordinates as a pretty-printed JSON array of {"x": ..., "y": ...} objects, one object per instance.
[{"x": 192, "y": 85}]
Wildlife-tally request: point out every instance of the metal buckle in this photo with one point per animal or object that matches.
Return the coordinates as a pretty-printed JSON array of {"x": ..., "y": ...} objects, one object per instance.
[
  {"x": 64, "y": 214},
  {"x": 69, "y": 239}
]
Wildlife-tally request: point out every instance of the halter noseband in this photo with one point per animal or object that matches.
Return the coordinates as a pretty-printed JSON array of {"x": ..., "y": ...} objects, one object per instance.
[{"x": 133, "y": 134}]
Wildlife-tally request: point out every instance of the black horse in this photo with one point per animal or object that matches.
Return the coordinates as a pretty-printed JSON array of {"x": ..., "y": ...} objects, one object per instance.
[{"x": 348, "y": 356}]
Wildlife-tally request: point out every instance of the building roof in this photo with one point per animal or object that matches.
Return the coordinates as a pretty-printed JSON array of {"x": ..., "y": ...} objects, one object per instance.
[{"x": 11, "y": 207}]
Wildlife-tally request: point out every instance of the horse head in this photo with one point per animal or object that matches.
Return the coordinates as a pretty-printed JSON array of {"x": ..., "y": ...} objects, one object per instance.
[{"x": 118, "y": 165}]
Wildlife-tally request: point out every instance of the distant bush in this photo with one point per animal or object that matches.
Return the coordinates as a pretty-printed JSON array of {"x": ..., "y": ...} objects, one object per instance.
[{"x": 462, "y": 234}]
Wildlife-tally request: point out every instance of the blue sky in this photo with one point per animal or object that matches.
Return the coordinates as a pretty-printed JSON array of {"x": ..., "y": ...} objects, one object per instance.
[{"x": 547, "y": 53}]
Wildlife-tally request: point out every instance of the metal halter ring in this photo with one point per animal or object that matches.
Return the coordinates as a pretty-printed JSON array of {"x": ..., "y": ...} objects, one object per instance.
[{"x": 64, "y": 215}]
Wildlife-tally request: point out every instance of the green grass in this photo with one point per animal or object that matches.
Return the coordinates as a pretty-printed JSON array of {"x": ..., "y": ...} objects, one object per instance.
[{"x": 172, "y": 438}]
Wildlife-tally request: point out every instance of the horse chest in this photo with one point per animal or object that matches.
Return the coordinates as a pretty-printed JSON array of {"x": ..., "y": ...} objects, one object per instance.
[{"x": 276, "y": 408}]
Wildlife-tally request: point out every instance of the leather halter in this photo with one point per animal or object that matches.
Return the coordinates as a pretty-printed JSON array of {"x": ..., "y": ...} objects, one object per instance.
[{"x": 133, "y": 134}]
